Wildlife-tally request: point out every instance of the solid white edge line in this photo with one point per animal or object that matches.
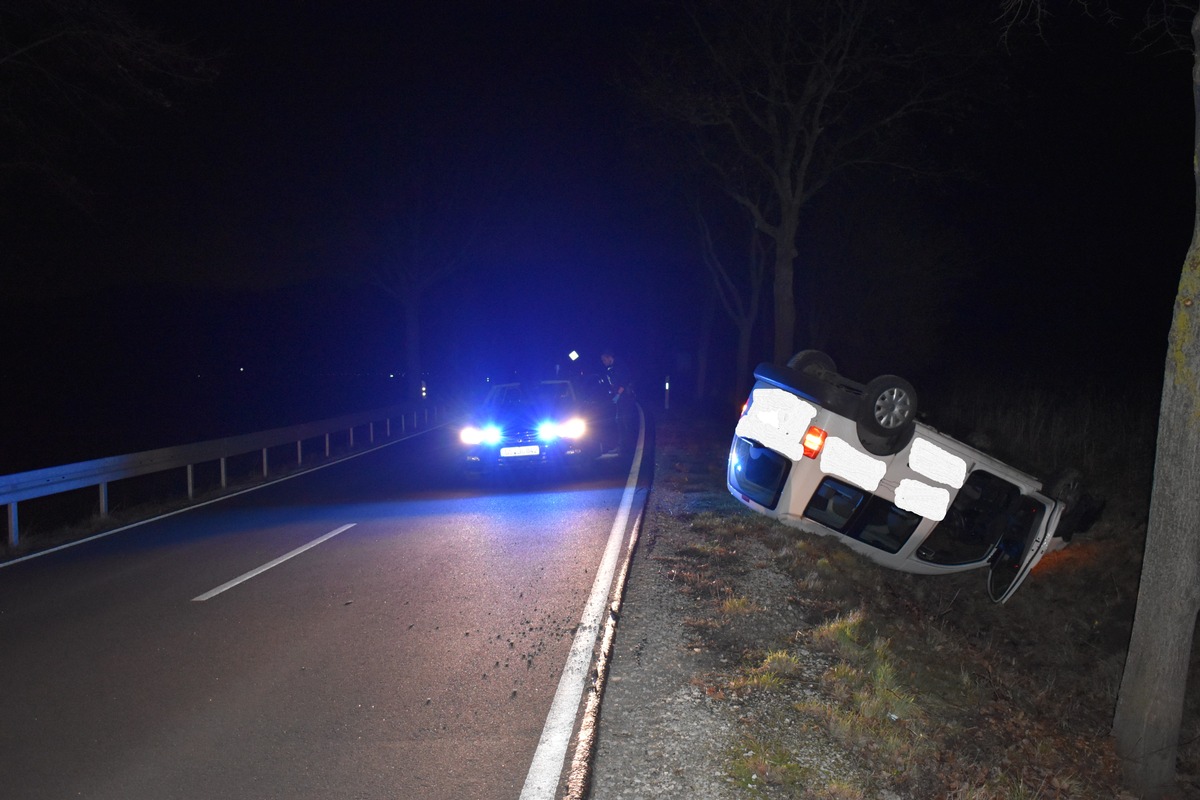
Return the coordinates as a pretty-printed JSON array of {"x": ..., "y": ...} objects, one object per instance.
[
  {"x": 220, "y": 499},
  {"x": 545, "y": 772},
  {"x": 259, "y": 570}
]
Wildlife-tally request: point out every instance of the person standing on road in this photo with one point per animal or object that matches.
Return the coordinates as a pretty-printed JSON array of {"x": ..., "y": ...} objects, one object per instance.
[{"x": 620, "y": 387}]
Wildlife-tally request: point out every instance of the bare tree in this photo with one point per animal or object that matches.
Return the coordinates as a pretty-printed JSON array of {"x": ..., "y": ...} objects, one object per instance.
[
  {"x": 1150, "y": 702},
  {"x": 425, "y": 244},
  {"x": 780, "y": 96}
]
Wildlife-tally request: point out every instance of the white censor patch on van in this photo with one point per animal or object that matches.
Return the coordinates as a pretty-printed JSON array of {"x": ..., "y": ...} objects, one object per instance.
[
  {"x": 927, "y": 459},
  {"x": 921, "y": 498},
  {"x": 778, "y": 420},
  {"x": 844, "y": 460}
]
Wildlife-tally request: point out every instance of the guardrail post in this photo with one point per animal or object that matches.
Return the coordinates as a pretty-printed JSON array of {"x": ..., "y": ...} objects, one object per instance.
[
  {"x": 371, "y": 432},
  {"x": 351, "y": 437},
  {"x": 191, "y": 480},
  {"x": 104, "y": 498},
  {"x": 403, "y": 423},
  {"x": 264, "y": 462},
  {"x": 299, "y": 453},
  {"x": 387, "y": 427},
  {"x": 224, "y": 475},
  {"x": 327, "y": 445},
  {"x": 12, "y": 524}
]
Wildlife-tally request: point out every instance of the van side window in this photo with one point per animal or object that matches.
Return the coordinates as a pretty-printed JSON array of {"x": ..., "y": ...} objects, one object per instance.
[
  {"x": 861, "y": 515},
  {"x": 886, "y": 526},
  {"x": 834, "y": 503},
  {"x": 970, "y": 529}
]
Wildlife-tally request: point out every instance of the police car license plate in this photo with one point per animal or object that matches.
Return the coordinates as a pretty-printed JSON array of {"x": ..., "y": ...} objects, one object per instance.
[{"x": 523, "y": 450}]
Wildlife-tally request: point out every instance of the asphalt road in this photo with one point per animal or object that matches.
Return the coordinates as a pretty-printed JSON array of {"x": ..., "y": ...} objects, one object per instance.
[{"x": 412, "y": 654}]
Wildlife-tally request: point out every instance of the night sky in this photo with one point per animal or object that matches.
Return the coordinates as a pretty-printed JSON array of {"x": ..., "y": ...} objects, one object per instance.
[{"x": 234, "y": 230}]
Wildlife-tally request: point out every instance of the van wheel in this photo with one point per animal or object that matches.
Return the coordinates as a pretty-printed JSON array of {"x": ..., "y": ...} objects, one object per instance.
[
  {"x": 889, "y": 406},
  {"x": 1068, "y": 487},
  {"x": 814, "y": 362}
]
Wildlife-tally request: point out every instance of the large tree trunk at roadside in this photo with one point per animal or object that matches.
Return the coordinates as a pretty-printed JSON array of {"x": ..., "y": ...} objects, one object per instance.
[
  {"x": 1151, "y": 700},
  {"x": 1150, "y": 704}
]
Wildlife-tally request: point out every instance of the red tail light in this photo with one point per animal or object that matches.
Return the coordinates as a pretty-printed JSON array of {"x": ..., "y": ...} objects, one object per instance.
[{"x": 814, "y": 440}]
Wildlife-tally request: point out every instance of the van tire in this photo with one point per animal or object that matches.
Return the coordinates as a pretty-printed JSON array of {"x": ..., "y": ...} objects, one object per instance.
[
  {"x": 889, "y": 407},
  {"x": 1067, "y": 487},
  {"x": 813, "y": 362}
]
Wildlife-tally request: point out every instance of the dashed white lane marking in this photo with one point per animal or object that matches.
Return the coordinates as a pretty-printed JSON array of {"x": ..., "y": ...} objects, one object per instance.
[
  {"x": 259, "y": 570},
  {"x": 541, "y": 783}
]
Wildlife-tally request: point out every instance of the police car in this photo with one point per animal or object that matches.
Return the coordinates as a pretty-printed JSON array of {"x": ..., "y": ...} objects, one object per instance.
[{"x": 835, "y": 457}]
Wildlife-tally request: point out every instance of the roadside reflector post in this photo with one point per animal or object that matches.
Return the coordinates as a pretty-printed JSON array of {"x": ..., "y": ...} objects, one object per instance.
[
  {"x": 667, "y": 393},
  {"x": 103, "y": 499},
  {"x": 12, "y": 524},
  {"x": 265, "y": 465},
  {"x": 224, "y": 474},
  {"x": 191, "y": 486}
]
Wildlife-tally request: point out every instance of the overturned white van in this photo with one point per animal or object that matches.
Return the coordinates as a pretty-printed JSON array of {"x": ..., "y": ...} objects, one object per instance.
[{"x": 834, "y": 457}]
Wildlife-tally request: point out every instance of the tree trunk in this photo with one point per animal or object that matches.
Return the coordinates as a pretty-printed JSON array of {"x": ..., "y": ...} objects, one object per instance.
[
  {"x": 412, "y": 348},
  {"x": 785, "y": 295},
  {"x": 744, "y": 377},
  {"x": 702, "y": 349},
  {"x": 1153, "y": 687},
  {"x": 1151, "y": 699}
]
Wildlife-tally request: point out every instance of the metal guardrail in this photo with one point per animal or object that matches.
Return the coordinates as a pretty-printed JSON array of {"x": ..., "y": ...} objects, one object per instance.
[{"x": 102, "y": 471}]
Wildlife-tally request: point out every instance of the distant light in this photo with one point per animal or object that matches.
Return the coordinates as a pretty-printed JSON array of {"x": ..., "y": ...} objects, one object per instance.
[
  {"x": 391, "y": 374},
  {"x": 573, "y": 355},
  {"x": 241, "y": 369}
]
